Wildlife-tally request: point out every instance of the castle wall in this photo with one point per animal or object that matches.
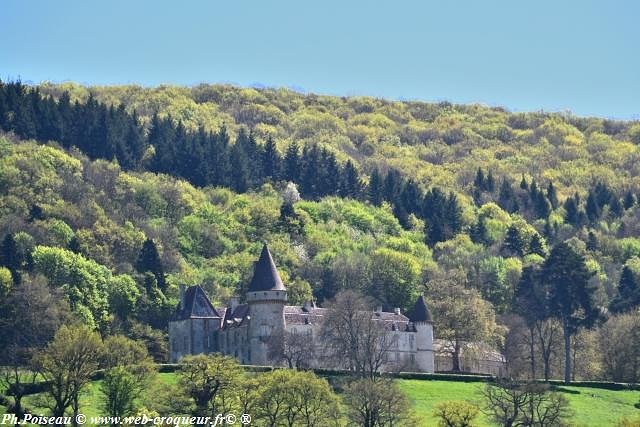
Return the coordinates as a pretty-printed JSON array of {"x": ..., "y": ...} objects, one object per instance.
[
  {"x": 179, "y": 339},
  {"x": 234, "y": 342},
  {"x": 192, "y": 336}
]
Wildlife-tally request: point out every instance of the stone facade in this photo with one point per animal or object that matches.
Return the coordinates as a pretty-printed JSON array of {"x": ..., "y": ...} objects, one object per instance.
[{"x": 244, "y": 330}]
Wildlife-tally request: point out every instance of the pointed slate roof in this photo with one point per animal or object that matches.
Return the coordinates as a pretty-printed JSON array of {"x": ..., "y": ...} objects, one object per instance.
[
  {"x": 420, "y": 312},
  {"x": 196, "y": 304},
  {"x": 265, "y": 274}
]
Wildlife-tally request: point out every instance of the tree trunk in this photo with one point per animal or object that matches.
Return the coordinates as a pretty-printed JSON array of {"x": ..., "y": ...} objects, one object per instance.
[
  {"x": 532, "y": 353},
  {"x": 547, "y": 370},
  {"x": 17, "y": 407},
  {"x": 567, "y": 351},
  {"x": 76, "y": 407},
  {"x": 456, "y": 357}
]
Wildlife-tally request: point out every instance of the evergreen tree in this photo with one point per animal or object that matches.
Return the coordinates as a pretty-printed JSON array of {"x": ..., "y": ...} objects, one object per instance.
[
  {"x": 74, "y": 245},
  {"x": 410, "y": 198},
  {"x": 629, "y": 200},
  {"x": 537, "y": 245},
  {"x": 401, "y": 214},
  {"x": 454, "y": 215},
  {"x": 239, "y": 169},
  {"x": 572, "y": 213},
  {"x": 592, "y": 208},
  {"x": 478, "y": 232},
  {"x": 149, "y": 261},
  {"x": 271, "y": 161},
  {"x": 541, "y": 205},
  {"x": 391, "y": 186},
  {"x": 592, "y": 241},
  {"x": 628, "y": 297},
  {"x": 615, "y": 207},
  {"x": 603, "y": 194},
  {"x": 478, "y": 182},
  {"x": 375, "y": 188},
  {"x": 523, "y": 183},
  {"x": 332, "y": 180},
  {"x": 309, "y": 171},
  {"x": 35, "y": 213},
  {"x": 291, "y": 163},
  {"x": 350, "y": 185},
  {"x": 515, "y": 242},
  {"x": 506, "y": 198},
  {"x": 10, "y": 258},
  {"x": 571, "y": 295},
  {"x": 490, "y": 183},
  {"x": 548, "y": 230},
  {"x": 442, "y": 215},
  {"x": 552, "y": 195},
  {"x": 533, "y": 190}
]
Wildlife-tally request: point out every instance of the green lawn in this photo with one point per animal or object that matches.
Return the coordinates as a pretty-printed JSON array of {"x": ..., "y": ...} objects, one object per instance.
[{"x": 592, "y": 406}]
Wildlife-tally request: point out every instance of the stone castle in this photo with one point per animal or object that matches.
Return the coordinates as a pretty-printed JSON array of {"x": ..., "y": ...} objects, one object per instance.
[{"x": 244, "y": 330}]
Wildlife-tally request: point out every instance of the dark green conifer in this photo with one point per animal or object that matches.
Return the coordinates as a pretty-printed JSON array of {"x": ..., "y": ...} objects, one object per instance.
[
  {"x": 375, "y": 188},
  {"x": 149, "y": 261}
]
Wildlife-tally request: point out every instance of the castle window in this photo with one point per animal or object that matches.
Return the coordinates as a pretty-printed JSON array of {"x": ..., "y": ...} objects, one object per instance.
[
  {"x": 184, "y": 344},
  {"x": 394, "y": 341},
  {"x": 411, "y": 341},
  {"x": 412, "y": 357}
]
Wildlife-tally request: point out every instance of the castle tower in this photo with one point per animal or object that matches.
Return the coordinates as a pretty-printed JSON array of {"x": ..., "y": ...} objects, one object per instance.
[
  {"x": 421, "y": 318},
  {"x": 266, "y": 297}
]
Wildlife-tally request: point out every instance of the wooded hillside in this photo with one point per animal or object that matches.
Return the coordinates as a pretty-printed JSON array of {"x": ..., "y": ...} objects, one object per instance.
[{"x": 141, "y": 189}]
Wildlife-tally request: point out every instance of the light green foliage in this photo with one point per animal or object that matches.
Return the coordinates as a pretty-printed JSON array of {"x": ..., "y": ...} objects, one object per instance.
[
  {"x": 210, "y": 381},
  {"x": 60, "y": 234},
  {"x": 291, "y": 397},
  {"x": 89, "y": 286},
  {"x": 6, "y": 282},
  {"x": 129, "y": 372},
  {"x": 395, "y": 276},
  {"x": 84, "y": 281},
  {"x": 456, "y": 413},
  {"x": 67, "y": 365},
  {"x": 212, "y": 236},
  {"x": 459, "y": 253},
  {"x": 123, "y": 295},
  {"x": 498, "y": 278}
]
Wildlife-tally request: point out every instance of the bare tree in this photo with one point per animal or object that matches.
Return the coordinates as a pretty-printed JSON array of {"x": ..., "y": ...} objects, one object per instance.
[
  {"x": 377, "y": 403},
  {"x": 29, "y": 317},
  {"x": 513, "y": 404},
  {"x": 291, "y": 347},
  {"x": 462, "y": 317},
  {"x": 357, "y": 339},
  {"x": 548, "y": 333},
  {"x": 67, "y": 364}
]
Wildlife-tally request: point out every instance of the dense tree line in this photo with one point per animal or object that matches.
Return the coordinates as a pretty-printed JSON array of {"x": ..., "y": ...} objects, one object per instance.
[{"x": 207, "y": 158}]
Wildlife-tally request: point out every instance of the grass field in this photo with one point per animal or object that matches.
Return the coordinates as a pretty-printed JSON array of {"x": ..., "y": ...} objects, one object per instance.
[{"x": 593, "y": 407}]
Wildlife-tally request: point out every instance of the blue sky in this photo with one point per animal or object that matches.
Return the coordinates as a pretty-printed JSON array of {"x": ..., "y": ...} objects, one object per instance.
[{"x": 582, "y": 56}]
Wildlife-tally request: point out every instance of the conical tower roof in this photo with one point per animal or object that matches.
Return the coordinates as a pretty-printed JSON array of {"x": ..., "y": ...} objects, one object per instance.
[
  {"x": 420, "y": 312},
  {"x": 265, "y": 274}
]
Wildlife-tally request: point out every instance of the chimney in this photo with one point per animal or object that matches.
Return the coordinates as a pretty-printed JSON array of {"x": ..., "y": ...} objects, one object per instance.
[
  {"x": 397, "y": 310},
  {"x": 182, "y": 294},
  {"x": 379, "y": 309},
  {"x": 235, "y": 302}
]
